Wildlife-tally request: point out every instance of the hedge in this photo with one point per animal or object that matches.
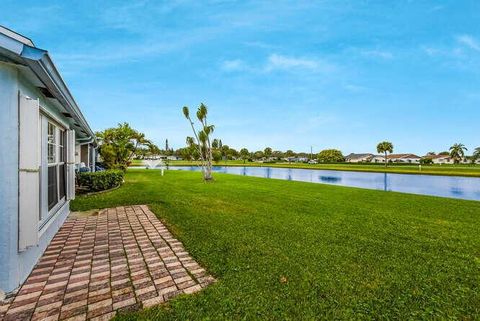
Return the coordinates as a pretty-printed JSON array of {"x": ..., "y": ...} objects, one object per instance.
[{"x": 100, "y": 181}]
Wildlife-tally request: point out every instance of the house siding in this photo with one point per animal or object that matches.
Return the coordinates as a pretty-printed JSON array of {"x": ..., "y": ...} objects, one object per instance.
[{"x": 16, "y": 266}]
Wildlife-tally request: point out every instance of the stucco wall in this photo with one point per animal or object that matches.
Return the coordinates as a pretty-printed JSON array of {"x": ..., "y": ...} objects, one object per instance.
[
  {"x": 8, "y": 173},
  {"x": 15, "y": 266}
]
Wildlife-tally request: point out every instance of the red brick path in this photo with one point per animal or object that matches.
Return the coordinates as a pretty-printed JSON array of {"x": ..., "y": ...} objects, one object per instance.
[{"x": 122, "y": 259}]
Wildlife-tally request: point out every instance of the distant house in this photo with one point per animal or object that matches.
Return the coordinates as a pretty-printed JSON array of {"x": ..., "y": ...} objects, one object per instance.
[
  {"x": 397, "y": 158},
  {"x": 378, "y": 159},
  {"x": 440, "y": 159},
  {"x": 404, "y": 158},
  {"x": 297, "y": 159},
  {"x": 264, "y": 159},
  {"x": 164, "y": 157},
  {"x": 359, "y": 158},
  {"x": 44, "y": 138}
]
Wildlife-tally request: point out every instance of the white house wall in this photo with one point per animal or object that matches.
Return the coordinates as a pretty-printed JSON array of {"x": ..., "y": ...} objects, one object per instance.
[
  {"x": 8, "y": 173},
  {"x": 17, "y": 265}
]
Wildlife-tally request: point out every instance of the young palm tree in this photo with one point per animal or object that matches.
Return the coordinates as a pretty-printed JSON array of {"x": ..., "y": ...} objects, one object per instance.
[
  {"x": 385, "y": 147},
  {"x": 457, "y": 152},
  {"x": 204, "y": 146}
]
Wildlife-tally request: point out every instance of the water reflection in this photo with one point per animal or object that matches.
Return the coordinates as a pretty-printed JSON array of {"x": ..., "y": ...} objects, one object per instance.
[
  {"x": 289, "y": 174},
  {"x": 268, "y": 172},
  {"x": 329, "y": 179},
  {"x": 456, "y": 191},
  {"x": 446, "y": 186}
]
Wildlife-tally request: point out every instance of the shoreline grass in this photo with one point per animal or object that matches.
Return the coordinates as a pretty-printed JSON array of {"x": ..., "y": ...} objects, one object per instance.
[{"x": 294, "y": 250}]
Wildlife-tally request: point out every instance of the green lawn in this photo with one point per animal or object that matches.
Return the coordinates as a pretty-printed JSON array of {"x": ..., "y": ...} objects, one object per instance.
[
  {"x": 450, "y": 170},
  {"x": 292, "y": 250}
]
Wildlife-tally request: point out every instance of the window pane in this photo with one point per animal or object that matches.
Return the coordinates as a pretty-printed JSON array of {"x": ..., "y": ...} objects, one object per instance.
[
  {"x": 61, "y": 181},
  {"x": 51, "y": 153},
  {"x": 61, "y": 147},
  {"x": 62, "y": 138},
  {"x": 61, "y": 155},
  {"x": 51, "y": 133},
  {"x": 51, "y": 144},
  {"x": 52, "y": 187}
]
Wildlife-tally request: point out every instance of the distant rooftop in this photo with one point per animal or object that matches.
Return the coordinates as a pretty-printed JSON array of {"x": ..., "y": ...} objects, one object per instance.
[
  {"x": 402, "y": 156},
  {"x": 437, "y": 156},
  {"x": 353, "y": 155},
  {"x": 16, "y": 36}
]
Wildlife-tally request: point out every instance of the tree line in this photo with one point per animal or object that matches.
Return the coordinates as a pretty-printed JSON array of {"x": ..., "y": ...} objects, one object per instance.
[{"x": 119, "y": 145}]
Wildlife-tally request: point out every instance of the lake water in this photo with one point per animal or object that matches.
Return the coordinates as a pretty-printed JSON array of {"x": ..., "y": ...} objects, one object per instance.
[{"x": 445, "y": 186}]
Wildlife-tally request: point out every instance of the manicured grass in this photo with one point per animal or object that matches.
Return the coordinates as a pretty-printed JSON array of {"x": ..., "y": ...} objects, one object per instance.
[
  {"x": 448, "y": 169},
  {"x": 292, "y": 250}
]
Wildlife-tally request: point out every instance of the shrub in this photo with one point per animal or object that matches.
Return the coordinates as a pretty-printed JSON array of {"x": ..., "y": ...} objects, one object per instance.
[
  {"x": 100, "y": 181},
  {"x": 426, "y": 161}
]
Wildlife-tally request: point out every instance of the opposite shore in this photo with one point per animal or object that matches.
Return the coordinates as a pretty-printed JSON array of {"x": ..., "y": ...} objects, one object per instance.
[{"x": 465, "y": 170}]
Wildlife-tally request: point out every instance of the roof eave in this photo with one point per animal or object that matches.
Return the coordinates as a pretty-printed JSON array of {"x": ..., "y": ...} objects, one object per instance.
[{"x": 41, "y": 64}]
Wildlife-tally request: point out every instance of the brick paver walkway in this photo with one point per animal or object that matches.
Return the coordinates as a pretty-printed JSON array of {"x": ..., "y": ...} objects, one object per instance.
[{"x": 122, "y": 259}]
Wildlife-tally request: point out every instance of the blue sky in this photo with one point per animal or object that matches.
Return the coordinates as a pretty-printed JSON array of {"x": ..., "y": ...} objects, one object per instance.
[{"x": 331, "y": 74}]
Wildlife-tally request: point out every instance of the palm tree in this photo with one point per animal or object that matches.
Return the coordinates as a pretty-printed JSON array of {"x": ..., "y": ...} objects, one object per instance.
[
  {"x": 140, "y": 140},
  {"x": 476, "y": 154},
  {"x": 385, "y": 147},
  {"x": 457, "y": 152},
  {"x": 202, "y": 137}
]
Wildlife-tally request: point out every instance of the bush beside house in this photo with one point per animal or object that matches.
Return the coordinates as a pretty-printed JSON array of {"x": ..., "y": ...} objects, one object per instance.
[
  {"x": 118, "y": 145},
  {"x": 100, "y": 181}
]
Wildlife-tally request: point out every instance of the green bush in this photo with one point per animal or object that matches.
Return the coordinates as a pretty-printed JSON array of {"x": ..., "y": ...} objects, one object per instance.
[
  {"x": 330, "y": 156},
  {"x": 100, "y": 181},
  {"x": 426, "y": 161}
]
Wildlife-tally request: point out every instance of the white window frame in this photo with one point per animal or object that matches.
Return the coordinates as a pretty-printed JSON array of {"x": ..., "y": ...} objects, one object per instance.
[{"x": 45, "y": 214}]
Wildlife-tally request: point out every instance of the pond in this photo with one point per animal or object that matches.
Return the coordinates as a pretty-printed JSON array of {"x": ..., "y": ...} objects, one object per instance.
[{"x": 445, "y": 186}]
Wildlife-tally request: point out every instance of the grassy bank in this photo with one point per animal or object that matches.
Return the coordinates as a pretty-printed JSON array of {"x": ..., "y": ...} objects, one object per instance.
[
  {"x": 448, "y": 170},
  {"x": 292, "y": 250}
]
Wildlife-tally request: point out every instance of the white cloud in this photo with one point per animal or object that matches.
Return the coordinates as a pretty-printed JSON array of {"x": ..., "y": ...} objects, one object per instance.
[
  {"x": 437, "y": 8},
  {"x": 114, "y": 53},
  {"x": 469, "y": 42},
  {"x": 276, "y": 62},
  {"x": 259, "y": 44},
  {"x": 279, "y": 62},
  {"x": 282, "y": 62},
  {"x": 461, "y": 49},
  {"x": 233, "y": 65},
  {"x": 431, "y": 51},
  {"x": 378, "y": 54},
  {"x": 355, "y": 88}
]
